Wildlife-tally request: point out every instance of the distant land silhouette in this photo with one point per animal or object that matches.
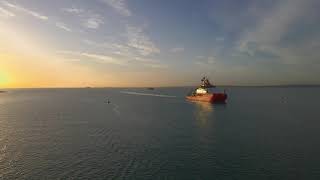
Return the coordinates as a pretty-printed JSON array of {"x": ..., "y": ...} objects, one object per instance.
[{"x": 284, "y": 85}]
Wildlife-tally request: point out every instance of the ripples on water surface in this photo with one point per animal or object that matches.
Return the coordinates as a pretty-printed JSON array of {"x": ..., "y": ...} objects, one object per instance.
[{"x": 261, "y": 133}]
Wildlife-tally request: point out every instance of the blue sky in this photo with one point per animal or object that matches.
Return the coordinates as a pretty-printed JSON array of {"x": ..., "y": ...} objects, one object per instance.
[{"x": 143, "y": 42}]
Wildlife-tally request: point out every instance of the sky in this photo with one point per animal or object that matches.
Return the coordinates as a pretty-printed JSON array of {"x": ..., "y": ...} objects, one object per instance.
[{"x": 133, "y": 43}]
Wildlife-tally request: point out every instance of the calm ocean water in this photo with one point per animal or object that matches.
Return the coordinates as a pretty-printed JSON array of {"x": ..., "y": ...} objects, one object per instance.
[{"x": 261, "y": 133}]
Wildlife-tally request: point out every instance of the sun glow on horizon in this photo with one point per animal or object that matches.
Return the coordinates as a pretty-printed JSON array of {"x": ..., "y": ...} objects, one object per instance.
[
  {"x": 4, "y": 80},
  {"x": 27, "y": 62}
]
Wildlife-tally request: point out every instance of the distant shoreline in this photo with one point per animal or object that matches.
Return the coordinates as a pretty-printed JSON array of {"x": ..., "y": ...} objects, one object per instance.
[{"x": 271, "y": 86}]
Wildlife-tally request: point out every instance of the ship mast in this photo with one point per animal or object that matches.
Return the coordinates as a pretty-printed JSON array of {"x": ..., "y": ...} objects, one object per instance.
[{"x": 206, "y": 83}]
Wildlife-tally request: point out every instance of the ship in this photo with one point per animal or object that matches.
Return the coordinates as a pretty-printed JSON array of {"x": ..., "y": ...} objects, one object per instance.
[{"x": 206, "y": 92}]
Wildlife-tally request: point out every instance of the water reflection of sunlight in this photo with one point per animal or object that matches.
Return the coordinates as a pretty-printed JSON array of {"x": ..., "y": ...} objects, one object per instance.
[{"x": 202, "y": 112}]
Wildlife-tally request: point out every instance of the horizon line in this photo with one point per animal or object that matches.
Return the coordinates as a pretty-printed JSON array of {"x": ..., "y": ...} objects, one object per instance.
[{"x": 101, "y": 87}]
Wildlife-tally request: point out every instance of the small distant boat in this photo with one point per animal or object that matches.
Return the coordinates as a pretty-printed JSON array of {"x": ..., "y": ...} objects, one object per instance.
[
  {"x": 202, "y": 93},
  {"x": 150, "y": 88}
]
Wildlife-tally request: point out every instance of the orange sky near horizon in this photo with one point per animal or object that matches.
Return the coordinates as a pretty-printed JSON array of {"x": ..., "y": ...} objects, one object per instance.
[
  {"x": 26, "y": 63},
  {"x": 27, "y": 71}
]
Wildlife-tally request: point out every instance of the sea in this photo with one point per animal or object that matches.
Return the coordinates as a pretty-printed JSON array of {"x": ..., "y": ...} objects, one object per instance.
[{"x": 136, "y": 133}]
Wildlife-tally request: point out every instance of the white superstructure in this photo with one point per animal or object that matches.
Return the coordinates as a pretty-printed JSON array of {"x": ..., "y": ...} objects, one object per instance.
[{"x": 201, "y": 91}]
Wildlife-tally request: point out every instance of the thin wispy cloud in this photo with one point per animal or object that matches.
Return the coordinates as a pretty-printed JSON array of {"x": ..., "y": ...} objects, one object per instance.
[
  {"x": 140, "y": 41},
  {"x": 99, "y": 58},
  {"x": 143, "y": 60},
  {"x": 119, "y": 6},
  {"x": 67, "y": 52},
  {"x": 71, "y": 60},
  {"x": 271, "y": 29},
  {"x": 109, "y": 59},
  {"x": 63, "y": 26},
  {"x": 115, "y": 48},
  {"x": 150, "y": 63},
  {"x": 177, "y": 49},
  {"x": 5, "y": 13},
  {"x": 24, "y": 10},
  {"x": 156, "y": 65},
  {"x": 204, "y": 61},
  {"x": 88, "y": 19},
  {"x": 104, "y": 59},
  {"x": 93, "y": 22},
  {"x": 73, "y": 10}
]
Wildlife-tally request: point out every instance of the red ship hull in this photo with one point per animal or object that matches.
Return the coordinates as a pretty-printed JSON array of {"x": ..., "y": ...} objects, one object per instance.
[{"x": 210, "y": 97}]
